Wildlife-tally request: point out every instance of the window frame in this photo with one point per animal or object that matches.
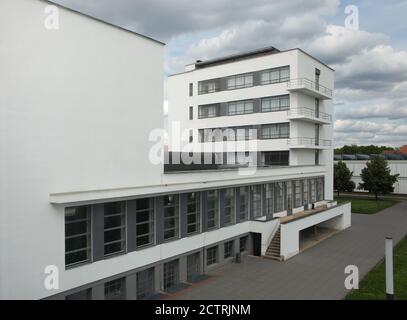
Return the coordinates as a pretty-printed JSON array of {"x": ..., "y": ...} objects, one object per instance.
[
  {"x": 175, "y": 206},
  {"x": 122, "y": 227},
  {"x": 150, "y": 223}
]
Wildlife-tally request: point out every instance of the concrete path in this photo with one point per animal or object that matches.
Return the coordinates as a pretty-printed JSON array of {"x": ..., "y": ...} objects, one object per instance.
[{"x": 317, "y": 273}]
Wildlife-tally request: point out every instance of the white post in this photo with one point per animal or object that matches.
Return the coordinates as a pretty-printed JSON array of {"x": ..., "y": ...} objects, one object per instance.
[{"x": 389, "y": 268}]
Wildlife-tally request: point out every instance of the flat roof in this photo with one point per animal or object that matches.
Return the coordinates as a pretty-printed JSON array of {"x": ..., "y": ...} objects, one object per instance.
[
  {"x": 104, "y": 21},
  {"x": 237, "y": 57},
  {"x": 243, "y": 56}
]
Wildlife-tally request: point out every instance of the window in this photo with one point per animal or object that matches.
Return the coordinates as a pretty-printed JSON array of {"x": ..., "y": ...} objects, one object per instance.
[
  {"x": 229, "y": 206},
  {"x": 191, "y": 136},
  {"x": 193, "y": 266},
  {"x": 268, "y": 189},
  {"x": 240, "y": 107},
  {"x": 144, "y": 222},
  {"x": 77, "y": 235},
  {"x": 297, "y": 194},
  {"x": 208, "y": 111},
  {"x": 304, "y": 192},
  {"x": 193, "y": 212},
  {"x": 256, "y": 204},
  {"x": 171, "y": 216},
  {"x": 191, "y": 113},
  {"x": 276, "y": 158},
  {"x": 243, "y": 203},
  {"x": 81, "y": 295},
  {"x": 278, "y": 103},
  {"x": 275, "y": 75},
  {"x": 228, "y": 249},
  {"x": 243, "y": 244},
  {"x": 240, "y": 81},
  {"x": 114, "y": 290},
  {"x": 114, "y": 227},
  {"x": 191, "y": 89},
  {"x": 244, "y": 133},
  {"x": 212, "y": 256},
  {"x": 171, "y": 274},
  {"x": 275, "y": 131},
  {"x": 279, "y": 197},
  {"x": 313, "y": 192},
  {"x": 145, "y": 284},
  {"x": 316, "y": 157},
  {"x": 320, "y": 189},
  {"x": 213, "y": 209},
  {"x": 208, "y": 86}
]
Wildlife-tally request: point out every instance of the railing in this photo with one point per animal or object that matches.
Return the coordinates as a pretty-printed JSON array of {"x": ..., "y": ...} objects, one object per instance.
[
  {"x": 307, "y": 83},
  {"x": 308, "y": 112},
  {"x": 309, "y": 142}
]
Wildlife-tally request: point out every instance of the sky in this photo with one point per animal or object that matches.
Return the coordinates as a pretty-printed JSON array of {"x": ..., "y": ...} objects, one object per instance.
[{"x": 370, "y": 61}]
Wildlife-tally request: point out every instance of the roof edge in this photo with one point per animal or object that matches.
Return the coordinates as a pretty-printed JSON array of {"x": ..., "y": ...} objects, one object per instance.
[{"x": 104, "y": 22}]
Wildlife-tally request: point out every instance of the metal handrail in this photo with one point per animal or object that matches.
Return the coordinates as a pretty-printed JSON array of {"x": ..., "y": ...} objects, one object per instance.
[
  {"x": 305, "y": 82},
  {"x": 309, "y": 141},
  {"x": 304, "y": 111}
]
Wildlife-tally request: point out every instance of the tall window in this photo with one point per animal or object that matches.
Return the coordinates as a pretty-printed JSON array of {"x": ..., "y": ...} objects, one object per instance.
[
  {"x": 275, "y": 131},
  {"x": 229, "y": 199},
  {"x": 320, "y": 189},
  {"x": 191, "y": 113},
  {"x": 171, "y": 274},
  {"x": 278, "y": 103},
  {"x": 240, "y": 81},
  {"x": 243, "y": 243},
  {"x": 305, "y": 192},
  {"x": 193, "y": 212},
  {"x": 191, "y": 89},
  {"x": 171, "y": 216},
  {"x": 207, "y": 111},
  {"x": 114, "y": 227},
  {"x": 77, "y": 235},
  {"x": 275, "y": 75},
  {"x": 297, "y": 194},
  {"x": 144, "y": 222},
  {"x": 213, "y": 209},
  {"x": 212, "y": 256},
  {"x": 243, "y": 203},
  {"x": 115, "y": 290},
  {"x": 228, "y": 249},
  {"x": 193, "y": 266},
  {"x": 312, "y": 190},
  {"x": 145, "y": 284},
  {"x": 256, "y": 203},
  {"x": 240, "y": 107},
  {"x": 268, "y": 189},
  {"x": 279, "y": 197}
]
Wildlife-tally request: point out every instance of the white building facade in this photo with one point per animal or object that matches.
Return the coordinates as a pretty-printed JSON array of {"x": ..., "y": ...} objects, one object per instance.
[{"x": 82, "y": 202}]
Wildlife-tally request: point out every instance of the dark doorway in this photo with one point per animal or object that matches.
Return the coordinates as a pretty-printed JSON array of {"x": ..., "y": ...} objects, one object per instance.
[{"x": 256, "y": 237}]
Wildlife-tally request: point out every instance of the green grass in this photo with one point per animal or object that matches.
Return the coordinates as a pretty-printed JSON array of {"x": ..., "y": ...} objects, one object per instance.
[
  {"x": 367, "y": 205},
  {"x": 373, "y": 286}
]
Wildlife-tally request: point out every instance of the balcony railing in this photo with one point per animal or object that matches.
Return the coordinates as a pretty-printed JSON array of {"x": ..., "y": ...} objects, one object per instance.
[
  {"x": 311, "y": 85},
  {"x": 308, "y": 112},
  {"x": 303, "y": 141}
]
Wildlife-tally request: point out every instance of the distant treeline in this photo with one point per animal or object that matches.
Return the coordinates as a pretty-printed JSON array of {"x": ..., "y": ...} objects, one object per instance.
[{"x": 354, "y": 149}]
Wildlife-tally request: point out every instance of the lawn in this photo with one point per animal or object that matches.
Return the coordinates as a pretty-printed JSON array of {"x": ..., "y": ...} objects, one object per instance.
[
  {"x": 373, "y": 286},
  {"x": 367, "y": 205}
]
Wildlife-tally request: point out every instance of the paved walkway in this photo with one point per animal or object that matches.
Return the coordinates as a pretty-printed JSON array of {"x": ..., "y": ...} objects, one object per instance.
[{"x": 317, "y": 273}]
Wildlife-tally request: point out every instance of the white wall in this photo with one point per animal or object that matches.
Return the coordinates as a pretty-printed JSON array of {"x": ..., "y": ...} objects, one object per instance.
[
  {"x": 76, "y": 109},
  {"x": 396, "y": 167},
  {"x": 290, "y": 243}
]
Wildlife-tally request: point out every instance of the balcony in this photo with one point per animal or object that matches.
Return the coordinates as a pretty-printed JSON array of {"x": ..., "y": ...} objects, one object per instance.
[
  {"x": 308, "y": 114},
  {"x": 306, "y": 86},
  {"x": 309, "y": 143}
]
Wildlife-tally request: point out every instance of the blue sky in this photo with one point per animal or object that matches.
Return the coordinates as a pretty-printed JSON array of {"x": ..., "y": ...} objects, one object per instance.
[{"x": 370, "y": 63}]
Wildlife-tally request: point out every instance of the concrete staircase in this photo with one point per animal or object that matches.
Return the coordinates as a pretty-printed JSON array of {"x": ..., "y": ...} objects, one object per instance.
[{"x": 273, "y": 251}]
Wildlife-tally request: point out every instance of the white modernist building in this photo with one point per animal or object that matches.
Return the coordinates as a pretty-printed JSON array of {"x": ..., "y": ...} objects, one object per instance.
[{"x": 86, "y": 214}]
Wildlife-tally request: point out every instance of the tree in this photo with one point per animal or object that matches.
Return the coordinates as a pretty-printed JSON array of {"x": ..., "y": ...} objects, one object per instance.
[
  {"x": 377, "y": 177},
  {"x": 342, "y": 178}
]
